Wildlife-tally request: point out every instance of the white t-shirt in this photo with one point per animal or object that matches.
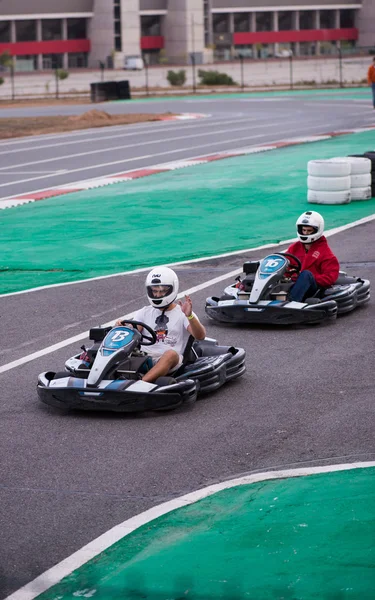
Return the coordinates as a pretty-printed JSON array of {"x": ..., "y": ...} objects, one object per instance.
[{"x": 170, "y": 328}]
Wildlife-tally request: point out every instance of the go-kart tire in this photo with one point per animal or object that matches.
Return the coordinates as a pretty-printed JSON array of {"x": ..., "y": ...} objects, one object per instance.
[
  {"x": 315, "y": 197},
  {"x": 360, "y": 181},
  {"x": 360, "y": 193},
  {"x": 227, "y": 297},
  {"x": 328, "y": 168},
  {"x": 359, "y": 165},
  {"x": 329, "y": 184}
]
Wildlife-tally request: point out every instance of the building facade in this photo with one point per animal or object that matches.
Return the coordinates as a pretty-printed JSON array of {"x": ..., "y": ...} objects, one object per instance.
[{"x": 85, "y": 33}]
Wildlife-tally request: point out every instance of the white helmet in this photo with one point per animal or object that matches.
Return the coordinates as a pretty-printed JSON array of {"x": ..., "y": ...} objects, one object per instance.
[
  {"x": 310, "y": 219},
  {"x": 162, "y": 287}
]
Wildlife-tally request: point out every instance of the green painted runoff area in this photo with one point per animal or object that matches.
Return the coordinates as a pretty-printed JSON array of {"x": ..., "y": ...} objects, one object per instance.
[
  {"x": 296, "y": 538},
  {"x": 199, "y": 211},
  {"x": 338, "y": 93}
]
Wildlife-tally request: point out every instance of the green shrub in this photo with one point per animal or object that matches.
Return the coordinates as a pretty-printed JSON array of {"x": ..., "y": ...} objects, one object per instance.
[
  {"x": 62, "y": 74},
  {"x": 176, "y": 77},
  {"x": 1, "y": 80},
  {"x": 215, "y": 78}
]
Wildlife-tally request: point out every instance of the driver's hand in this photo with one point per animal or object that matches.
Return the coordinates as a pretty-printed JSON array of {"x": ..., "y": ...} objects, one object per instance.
[{"x": 121, "y": 322}]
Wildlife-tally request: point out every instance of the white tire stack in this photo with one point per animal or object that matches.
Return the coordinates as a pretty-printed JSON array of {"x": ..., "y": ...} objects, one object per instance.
[
  {"x": 360, "y": 175},
  {"x": 329, "y": 182}
]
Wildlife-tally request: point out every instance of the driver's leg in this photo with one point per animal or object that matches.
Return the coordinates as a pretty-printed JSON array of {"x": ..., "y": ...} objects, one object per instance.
[
  {"x": 305, "y": 286},
  {"x": 166, "y": 363}
]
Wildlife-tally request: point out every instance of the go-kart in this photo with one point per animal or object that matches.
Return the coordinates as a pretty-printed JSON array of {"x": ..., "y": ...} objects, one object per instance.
[
  {"x": 261, "y": 296},
  {"x": 107, "y": 376}
]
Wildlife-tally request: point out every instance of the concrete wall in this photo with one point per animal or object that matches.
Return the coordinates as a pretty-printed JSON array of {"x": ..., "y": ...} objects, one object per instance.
[
  {"x": 183, "y": 28},
  {"x": 101, "y": 33},
  {"x": 366, "y": 24},
  {"x": 34, "y": 7}
]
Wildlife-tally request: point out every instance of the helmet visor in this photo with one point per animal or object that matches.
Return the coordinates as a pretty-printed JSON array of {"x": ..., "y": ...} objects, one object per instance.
[{"x": 155, "y": 292}]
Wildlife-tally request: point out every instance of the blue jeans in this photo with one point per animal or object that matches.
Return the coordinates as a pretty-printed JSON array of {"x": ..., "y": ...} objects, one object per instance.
[
  {"x": 304, "y": 287},
  {"x": 373, "y": 94}
]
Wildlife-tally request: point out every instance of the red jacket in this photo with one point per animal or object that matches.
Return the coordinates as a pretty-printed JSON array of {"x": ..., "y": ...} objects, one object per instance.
[{"x": 319, "y": 260}]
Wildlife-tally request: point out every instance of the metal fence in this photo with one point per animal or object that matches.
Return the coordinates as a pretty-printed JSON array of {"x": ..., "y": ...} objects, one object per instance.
[{"x": 179, "y": 75}]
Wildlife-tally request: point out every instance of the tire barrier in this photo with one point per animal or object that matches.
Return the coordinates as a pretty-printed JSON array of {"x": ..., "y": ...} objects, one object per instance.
[
  {"x": 361, "y": 193},
  {"x": 327, "y": 168},
  {"x": 370, "y": 155},
  {"x": 341, "y": 179},
  {"x": 328, "y": 182},
  {"x": 324, "y": 197}
]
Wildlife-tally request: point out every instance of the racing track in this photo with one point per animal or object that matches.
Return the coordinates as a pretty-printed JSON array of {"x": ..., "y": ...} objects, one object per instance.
[
  {"x": 67, "y": 478},
  {"x": 29, "y": 164}
]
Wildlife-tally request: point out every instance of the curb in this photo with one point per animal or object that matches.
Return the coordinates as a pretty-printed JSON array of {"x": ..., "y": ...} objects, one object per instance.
[{"x": 87, "y": 184}]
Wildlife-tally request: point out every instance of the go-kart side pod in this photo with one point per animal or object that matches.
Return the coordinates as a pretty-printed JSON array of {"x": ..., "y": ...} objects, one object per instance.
[{"x": 270, "y": 312}]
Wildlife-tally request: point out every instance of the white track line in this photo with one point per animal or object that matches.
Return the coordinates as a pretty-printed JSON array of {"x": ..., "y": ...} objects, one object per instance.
[
  {"x": 197, "y": 288},
  {"x": 126, "y": 133},
  {"x": 84, "y": 335},
  {"x": 54, "y": 575},
  {"x": 189, "y": 261},
  {"x": 137, "y": 145}
]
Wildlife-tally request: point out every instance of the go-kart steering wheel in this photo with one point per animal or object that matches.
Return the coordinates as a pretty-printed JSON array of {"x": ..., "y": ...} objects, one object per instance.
[
  {"x": 146, "y": 340},
  {"x": 292, "y": 268}
]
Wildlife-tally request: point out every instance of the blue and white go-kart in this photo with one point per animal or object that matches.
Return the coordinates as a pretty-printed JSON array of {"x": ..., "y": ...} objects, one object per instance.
[
  {"x": 107, "y": 376},
  {"x": 261, "y": 296}
]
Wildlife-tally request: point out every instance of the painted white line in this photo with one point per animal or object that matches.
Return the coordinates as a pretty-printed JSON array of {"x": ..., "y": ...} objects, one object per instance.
[
  {"x": 132, "y": 133},
  {"x": 211, "y": 145},
  {"x": 189, "y": 261},
  {"x": 146, "y": 143},
  {"x": 84, "y": 335},
  {"x": 197, "y": 288},
  {"x": 54, "y": 575}
]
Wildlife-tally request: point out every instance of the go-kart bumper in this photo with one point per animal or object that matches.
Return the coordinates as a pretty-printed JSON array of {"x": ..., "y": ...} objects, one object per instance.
[
  {"x": 76, "y": 395},
  {"x": 270, "y": 313}
]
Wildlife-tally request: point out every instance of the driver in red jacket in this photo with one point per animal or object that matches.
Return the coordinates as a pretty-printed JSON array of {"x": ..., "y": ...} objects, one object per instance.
[{"x": 320, "y": 267}]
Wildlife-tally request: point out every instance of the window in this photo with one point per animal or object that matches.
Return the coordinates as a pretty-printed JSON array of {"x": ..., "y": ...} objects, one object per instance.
[
  {"x": 328, "y": 48},
  {"x": 76, "y": 29},
  {"x": 25, "y": 31},
  {"x": 150, "y": 25},
  {"x": 246, "y": 51},
  {"x": 27, "y": 62},
  {"x": 77, "y": 60},
  {"x": 264, "y": 21},
  {"x": 220, "y": 23},
  {"x": 51, "y": 29},
  {"x": 327, "y": 19},
  {"x": 307, "y": 19},
  {"x": 5, "y": 32},
  {"x": 307, "y": 48},
  {"x": 52, "y": 61},
  {"x": 286, "y": 20},
  {"x": 206, "y": 22},
  {"x": 117, "y": 25},
  {"x": 347, "y": 18},
  {"x": 242, "y": 22}
]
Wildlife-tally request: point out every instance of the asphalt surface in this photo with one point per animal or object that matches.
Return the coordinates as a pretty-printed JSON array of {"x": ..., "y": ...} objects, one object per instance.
[
  {"x": 36, "y": 163},
  {"x": 307, "y": 397}
]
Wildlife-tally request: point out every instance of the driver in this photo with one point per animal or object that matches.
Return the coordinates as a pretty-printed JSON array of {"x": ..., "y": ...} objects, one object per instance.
[
  {"x": 320, "y": 267},
  {"x": 171, "y": 321}
]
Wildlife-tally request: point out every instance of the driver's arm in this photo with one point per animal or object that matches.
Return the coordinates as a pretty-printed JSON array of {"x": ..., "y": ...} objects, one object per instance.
[{"x": 196, "y": 328}]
